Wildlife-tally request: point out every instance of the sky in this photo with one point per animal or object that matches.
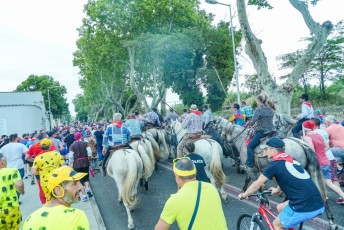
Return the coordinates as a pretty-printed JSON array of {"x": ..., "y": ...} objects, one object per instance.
[{"x": 38, "y": 37}]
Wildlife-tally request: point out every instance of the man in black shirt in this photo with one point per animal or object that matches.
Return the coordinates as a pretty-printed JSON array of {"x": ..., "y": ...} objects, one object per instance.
[{"x": 198, "y": 161}]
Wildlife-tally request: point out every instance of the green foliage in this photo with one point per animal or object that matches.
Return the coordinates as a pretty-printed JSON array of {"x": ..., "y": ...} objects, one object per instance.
[{"x": 58, "y": 103}]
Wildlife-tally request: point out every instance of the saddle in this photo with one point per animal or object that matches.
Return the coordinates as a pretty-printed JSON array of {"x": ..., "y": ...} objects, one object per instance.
[
  {"x": 135, "y": 138},
  {"x": 117, "y": 147},
  {"x": 196, "y": 137}
]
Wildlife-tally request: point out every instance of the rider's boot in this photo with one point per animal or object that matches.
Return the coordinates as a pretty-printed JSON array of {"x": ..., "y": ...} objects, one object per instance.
[
  {"x": 251, "y": 173},
  {"x": 106, "y": 156}
]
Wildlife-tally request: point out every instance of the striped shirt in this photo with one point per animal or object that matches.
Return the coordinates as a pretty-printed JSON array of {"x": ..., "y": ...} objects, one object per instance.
[
  {"x": 207, "y": 117},
  {"x": 263, "y": 117},
  {"x": 115, "y": 136},
  {"x": 134, "y": 127}
]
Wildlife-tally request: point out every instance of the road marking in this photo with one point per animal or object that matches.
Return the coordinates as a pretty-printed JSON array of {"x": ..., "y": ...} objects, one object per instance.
[{"x": 233, "y": 192}]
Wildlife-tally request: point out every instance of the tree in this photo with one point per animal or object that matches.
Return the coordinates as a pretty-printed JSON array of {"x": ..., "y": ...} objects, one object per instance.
[
  {"x": 58, "y": 102},
  {"x": 281, "y": 94},
  {"x": 328, "y": 64}
]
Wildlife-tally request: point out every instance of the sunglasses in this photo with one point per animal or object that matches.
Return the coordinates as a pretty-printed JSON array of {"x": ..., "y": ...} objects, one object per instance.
[{"x": 177, "y": 159}]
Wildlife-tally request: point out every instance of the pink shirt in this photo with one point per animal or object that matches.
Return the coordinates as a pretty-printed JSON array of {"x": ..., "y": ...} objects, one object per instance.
[
  {"x": 336, "y": 135},
  {"x": 319, "y": 148}
]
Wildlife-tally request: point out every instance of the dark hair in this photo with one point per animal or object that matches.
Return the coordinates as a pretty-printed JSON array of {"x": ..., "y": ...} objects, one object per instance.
[
  {"x": 185, "y": 110},
  {"x": 185, "y": 164},
  {"x": 154, "y": 109},
  {"x": 262, "y": 98},
  {"x": 205, "y": 106},
  {"x": 243, "y": 102},
  {"x": 137, "y": 113},
  {"x": 40, "y": 136},
  {"x": 25, "y": 134},
  {"x": 45, "y": 147},
  {"x": 237, "y": 106},
  {"x": 3, "y": 136},
  {"x": 13, "y": 137},
  {"x": 316, "y": 121},
  {"x": 190, "y": 146}
]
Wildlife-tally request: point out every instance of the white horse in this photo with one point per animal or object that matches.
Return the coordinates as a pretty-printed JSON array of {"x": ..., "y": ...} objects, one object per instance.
[
  {"x": 159, "y": 137},
  {"x": 211, "y": 151},
  {"x": 125, "y": 167},
  {"x": 145, "y": 150}
]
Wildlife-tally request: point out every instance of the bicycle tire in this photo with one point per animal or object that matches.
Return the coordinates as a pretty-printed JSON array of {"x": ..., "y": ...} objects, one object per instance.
[{"x": 244, "y": 223}]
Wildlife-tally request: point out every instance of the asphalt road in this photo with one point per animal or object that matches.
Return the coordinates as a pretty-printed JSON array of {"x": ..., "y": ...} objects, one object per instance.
[{"x": 162, "y": 184}]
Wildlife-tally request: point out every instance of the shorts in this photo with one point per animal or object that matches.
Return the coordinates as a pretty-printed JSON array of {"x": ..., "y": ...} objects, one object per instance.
[
  {"x": 326, "y": 170},
  {"x": 10, "y": 218},
  {"x": 290, "y": 218},
  {"x": 26, "y": 161},
  {"x": 333, "y": 166},
  {"x": 85, "y": 178}
]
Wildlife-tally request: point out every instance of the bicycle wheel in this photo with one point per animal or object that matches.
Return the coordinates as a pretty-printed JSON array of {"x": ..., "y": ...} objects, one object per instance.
[{"x": 244, "y": 223}]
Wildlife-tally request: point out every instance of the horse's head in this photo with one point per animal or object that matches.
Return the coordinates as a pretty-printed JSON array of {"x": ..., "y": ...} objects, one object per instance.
[
  {"x": 227, "y": 130},
  {"x": 176, "y": 126}
]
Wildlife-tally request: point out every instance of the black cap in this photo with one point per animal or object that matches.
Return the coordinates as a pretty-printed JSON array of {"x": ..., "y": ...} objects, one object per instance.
[
  {"x": 273, "y": 142},
  {"x": 304, "y": 96}
]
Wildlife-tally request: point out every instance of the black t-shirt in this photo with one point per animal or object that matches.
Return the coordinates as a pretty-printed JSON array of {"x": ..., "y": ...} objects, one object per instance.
[
  {"x": 200, "y": 164},
  {"x": 297, "y": 185},
  {"x": 69, "y": 140}
]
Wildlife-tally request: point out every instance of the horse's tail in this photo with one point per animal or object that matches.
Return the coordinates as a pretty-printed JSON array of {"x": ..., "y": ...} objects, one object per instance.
[
  {"x": 149, "y": 148},
  {"x": 155, "y": 146},
  {"x": 130, "y": 182},
  {"x": 216, "y": 164},
  {"x": 147, "y": 163},
  {"x": 162, "y": 139},
  {"x": 313, "y": 168}
]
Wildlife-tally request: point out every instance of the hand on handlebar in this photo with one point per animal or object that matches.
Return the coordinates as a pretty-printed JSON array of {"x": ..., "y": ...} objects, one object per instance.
[
  {"x": 274, "y": 190},
  {"x": 241, "y": 196}
]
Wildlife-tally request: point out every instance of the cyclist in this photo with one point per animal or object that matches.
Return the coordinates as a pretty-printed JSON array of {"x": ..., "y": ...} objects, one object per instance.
[{"x": 305, "y": 201}]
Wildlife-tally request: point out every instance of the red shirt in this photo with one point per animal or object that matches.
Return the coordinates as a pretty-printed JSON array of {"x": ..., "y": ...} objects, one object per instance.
[
  {"x": 36, "y": 149},
  {"x": 319, "y": 148}
]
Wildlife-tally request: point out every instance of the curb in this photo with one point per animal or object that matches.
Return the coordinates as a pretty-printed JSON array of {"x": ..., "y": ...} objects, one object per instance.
[{"x": 98, "y": 216}]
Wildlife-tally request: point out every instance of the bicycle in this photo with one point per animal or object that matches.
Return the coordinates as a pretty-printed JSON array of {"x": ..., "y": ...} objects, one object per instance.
[{"x": 255, "y": 221}]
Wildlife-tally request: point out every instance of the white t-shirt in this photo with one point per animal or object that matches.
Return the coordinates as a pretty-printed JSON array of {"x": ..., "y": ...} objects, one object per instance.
[
  {"x": 324, "y": 134},
  {"x": 13, "y": 153}
]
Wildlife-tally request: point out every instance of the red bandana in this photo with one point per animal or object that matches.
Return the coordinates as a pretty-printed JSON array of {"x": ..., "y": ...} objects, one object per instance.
[
  {"x": 282, "y": 157},
  {"x": 199, "y": 113},
  {"x": 118, "y": 124},
  {"x": 308, "y": 104}
]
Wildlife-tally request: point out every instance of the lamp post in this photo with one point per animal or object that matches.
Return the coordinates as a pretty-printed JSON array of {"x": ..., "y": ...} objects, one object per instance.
[
  {"x": 233, "y": 44},
  {"x": 49, "y": 105}
]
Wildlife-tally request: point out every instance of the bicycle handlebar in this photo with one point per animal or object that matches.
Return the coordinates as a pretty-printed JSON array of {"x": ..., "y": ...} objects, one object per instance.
[{"x": 260, "y": 194}]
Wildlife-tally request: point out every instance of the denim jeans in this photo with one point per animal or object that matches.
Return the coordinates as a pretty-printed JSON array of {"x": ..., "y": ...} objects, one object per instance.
[
  {"x": 99, "y": 151},
  {"x": 298, "y": 127},
  {"x": 254, "y": 142}
]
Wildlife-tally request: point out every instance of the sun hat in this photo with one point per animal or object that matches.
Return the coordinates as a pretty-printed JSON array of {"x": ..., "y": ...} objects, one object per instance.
[
  {"x": 117, "y": 116},
  {"x": 193, "y": 107}
]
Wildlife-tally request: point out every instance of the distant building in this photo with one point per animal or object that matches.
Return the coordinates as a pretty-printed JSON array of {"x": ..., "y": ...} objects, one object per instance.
[{"x": 22, "y": 112}]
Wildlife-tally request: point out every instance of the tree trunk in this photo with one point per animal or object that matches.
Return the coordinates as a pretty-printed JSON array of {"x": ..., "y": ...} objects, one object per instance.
[
  {"x": 281, "y": 95},
  {"x": 163, "y": 103}
]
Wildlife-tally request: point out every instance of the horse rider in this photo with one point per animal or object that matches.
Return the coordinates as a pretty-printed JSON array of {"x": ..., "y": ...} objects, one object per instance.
[
  {"x": 183, "y": 207},
  {"x": 306, "y": 114},
  {"x": 193, "y": 125},
  {"x": 183, "y": 116},
  {"x": 116, "y": 136},
  {"x": 171, "y": 116},
  {"x": 247, "y": 111},
  {"x": 134, "y": 126},
  {"x": 305, "y": 201},
  {"x": 263, "y": 118},
  {"x": 207, "y": 117},
  {"x": 152, "y": 118},
  {"x": 237, "y": 118}
]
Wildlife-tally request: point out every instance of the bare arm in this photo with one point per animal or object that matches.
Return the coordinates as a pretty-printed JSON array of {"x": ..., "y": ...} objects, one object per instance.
[
  {"x": 162, "y": 225},
  {"x": 254, "y": 186},
  {"x": 309, "y": 142},
  {"x": 34, "y": 171},
  {"x": 19, "y": 186}
]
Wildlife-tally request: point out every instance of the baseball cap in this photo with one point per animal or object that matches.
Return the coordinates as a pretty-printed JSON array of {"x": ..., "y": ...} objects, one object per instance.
[
  {"x": 309, "y": 125},
  {"x": 64, "y": 173},
  {"x": 304, "y": 96},
  {"x": 273, "y": 142},
  {"x": 45, "y": 142}
]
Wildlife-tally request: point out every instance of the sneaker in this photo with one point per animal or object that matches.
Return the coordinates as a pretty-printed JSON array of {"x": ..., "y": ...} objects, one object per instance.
[
  {"x": 25, "y": 177},
  {"x": 340, "y": 171},
  {"x": 340, "y": 201},
  {"x": 84, "y": 198},
  {"x": 89, "y": 193}
]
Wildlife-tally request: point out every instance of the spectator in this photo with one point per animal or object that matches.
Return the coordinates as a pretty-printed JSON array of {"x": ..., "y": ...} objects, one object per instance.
[
  {"x": 53, "y": 137},
  {"x": 198, "y": 161},
  {"x": 183, "y": 205},
  {"x": 317, "y": 114},
  {"x": 44, "y": 164},
  {"x": 336, "y": 135},
  {"x": 4, "y": 141},
  {"x": 10, "y": 182},
  {"x": 64, "y": 187},
  {"x": 69, "y": 140},
  {"x": 99, "y": 139},
  {"x": 80, "y": 154},
  {"x": 317, "y": 144},
  {"x": 91, "y": 140}
]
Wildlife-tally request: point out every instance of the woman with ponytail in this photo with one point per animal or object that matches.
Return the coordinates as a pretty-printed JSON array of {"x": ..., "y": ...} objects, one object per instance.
[{"x": 263, "y": 119}]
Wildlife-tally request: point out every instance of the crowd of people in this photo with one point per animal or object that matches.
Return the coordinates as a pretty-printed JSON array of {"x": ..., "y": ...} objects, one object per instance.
[{"x": 60, "y": 162}]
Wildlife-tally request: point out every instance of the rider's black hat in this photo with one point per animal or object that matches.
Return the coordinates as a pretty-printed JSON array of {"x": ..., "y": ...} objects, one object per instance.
[
  {"x": 304, "y": 96},
  {"x": 273, "y": 142}
]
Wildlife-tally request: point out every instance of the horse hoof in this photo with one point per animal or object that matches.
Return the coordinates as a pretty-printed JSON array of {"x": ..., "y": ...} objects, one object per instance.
[{"x": 131, "y": 226}]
